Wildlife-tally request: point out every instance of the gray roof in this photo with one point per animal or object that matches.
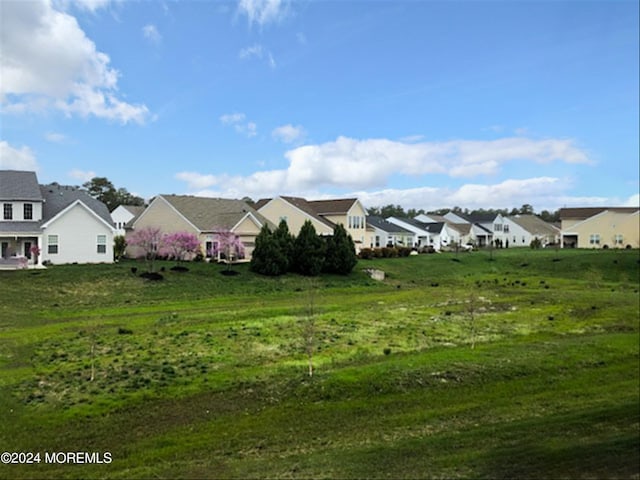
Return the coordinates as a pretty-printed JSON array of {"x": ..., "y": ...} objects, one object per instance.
[
  {"x": 534, "y": 225},
  {"x": 19, "y": 185},
  {"x": 21, "y": 228},
  {"x": 134, "y": 210},
  {"x": 58, "y": 197},
  {"x": 386, "y": 226},
  {"x": 208, "y": 213}
]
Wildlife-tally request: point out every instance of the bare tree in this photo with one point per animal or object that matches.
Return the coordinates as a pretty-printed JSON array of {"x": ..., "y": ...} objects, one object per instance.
[{"x": 308, "y": 330}]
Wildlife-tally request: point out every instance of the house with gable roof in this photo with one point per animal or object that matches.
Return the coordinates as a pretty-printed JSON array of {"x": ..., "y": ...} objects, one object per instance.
[
  {"x": 323, "y": 214},
  {"x": 123, "y": 214},
  {"x": 523, "y": 229},
  {"x": 383, "y": 233},
  {"x": 600, "y": 227},
  {"x": 203, "y": 216},
  {"x": 65, "y": 223},
  {"x": 478, "y": 234}
]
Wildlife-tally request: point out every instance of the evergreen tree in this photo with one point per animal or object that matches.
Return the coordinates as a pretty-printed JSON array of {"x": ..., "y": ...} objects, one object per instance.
[
  {"x": 284, "y": 241},
  {"x": 266, "y": 254},
  {"x": 340, "y": 256},
  {"x": 308, "y": 251}
]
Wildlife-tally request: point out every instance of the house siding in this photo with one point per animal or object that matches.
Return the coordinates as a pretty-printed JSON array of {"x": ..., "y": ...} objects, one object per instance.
[
  {"x": 606, "y": 226},
  {"x": 277, "y": 208},
  {"x": 77, "y": 230}
]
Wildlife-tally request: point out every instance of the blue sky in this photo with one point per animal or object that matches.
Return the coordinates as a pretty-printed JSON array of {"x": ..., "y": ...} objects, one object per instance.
[{"x": 420, "y": 103}]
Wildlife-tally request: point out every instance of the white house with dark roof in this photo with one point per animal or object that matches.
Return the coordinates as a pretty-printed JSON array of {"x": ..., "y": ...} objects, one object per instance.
[
  {"x": 65, "y": 223},
  {"x": 383, "y": 233}
]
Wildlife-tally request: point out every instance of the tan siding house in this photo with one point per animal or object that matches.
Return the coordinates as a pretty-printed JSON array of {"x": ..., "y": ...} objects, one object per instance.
[
  {"x": 600, "y": 227},
  {"x": 323, "y": 214},
  {"x": 295, "y": 211},
  {"x": 202, "y": 216}
]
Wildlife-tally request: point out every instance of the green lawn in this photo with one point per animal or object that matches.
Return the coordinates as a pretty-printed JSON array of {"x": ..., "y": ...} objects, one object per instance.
[{"x": 456, "y": 366}]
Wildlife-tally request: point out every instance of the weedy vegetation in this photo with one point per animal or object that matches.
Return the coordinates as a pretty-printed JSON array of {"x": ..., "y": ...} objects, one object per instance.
[{"x": 500, "y": 364}]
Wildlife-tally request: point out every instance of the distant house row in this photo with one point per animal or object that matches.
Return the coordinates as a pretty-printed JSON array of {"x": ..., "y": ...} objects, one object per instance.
[{"x": 64, "y": 224}]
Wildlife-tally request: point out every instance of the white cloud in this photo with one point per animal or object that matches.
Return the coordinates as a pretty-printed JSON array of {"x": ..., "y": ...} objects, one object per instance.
[
  {"x": 367, "y": 165},
  {"x": 237, "y": 120},
  {"x": 257, "y": 51},
  {"x": 90, "y": 5},
  {"x": 12, "y": 158},
  {"x": 54, "y": 137},
  {"x": 632, "y": 201},
  {"x": 151, "y": 33},
  {"x": 288, "y": 133},
  {"x": 232, "y": 118},
  {"x": 82, "y": 175},
  {"x": 48, "y": 62},
  {"x": 262, "y": 12}
]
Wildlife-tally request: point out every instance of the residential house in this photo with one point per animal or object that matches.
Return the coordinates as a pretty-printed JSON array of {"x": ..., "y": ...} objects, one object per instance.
[
  {"x": 523, "y": 229},
  {"x": 123, "y": 214},
  {"x": 421, "y": 236},
  {"x": 600, "y": 227},
  {"x": 65, "y": 223},
  {"x": 474, "y": 232},
  {"x": 460, "y": 232},
  {"x": 383, "y": 233},
  {"x": 203, "y": 216},
  {"x": 323, "y": 214}
]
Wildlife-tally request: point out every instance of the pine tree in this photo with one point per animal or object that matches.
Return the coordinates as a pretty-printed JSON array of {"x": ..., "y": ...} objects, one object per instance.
[
  {"x": 265, "y": 253},
  {"x": 340, "y": 256},
  {"x": 308, "y": 251},
  {"x": 284, "y": 241}
]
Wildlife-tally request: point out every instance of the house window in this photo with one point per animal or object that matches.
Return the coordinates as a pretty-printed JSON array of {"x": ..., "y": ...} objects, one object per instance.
[
  {"x": 514, "y": 239},
  {"x": 524, "y": 240},
  {"x": 377, "y": 240},
  {"x": 505, "y": 229},
  {"x": 102, "y": 244},
  {"x": 618, "y": 239},
  {"x": 497, "y": 227},
  {"x": 8, "y": 211},
  {"x": 52, "y": 244},
  {"x": 594, "y": 239},
  {"x": 28, "y": 211}
]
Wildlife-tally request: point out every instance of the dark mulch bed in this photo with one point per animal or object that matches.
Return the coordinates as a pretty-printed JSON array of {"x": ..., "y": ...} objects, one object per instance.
[
  {"x": 153, "y": 276},
  {"x": 229, "y": 273},
  {"x": 179, "y": 268}
]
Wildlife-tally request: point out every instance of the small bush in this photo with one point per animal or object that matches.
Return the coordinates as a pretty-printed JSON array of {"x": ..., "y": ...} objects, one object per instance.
[
  {"x": 387, "y": 351},
  {"x": 366, "y": 254},
  {"x": 124, "y": 331}
]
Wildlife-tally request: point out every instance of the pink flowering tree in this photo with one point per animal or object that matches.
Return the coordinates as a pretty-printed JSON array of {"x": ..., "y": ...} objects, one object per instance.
[
  {"x": 180, "y": 245},
  {"x": 35, "y": 253},
  {"x": 149, "y": 241},
  {"x": 228, "y": 245}
]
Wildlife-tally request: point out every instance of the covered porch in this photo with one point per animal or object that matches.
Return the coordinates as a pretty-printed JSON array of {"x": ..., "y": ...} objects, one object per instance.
[{"x": 20, "y": 251}]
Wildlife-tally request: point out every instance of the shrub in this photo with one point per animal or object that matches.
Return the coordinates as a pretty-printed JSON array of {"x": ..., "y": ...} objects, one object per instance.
[
  {"x": 308, "y": 251},
  {"x": 340, "y": 255},
  {"x": 366, "y": 253},
  {"x": 404, "y": 251},
  {"x": 535, "y": 244}
]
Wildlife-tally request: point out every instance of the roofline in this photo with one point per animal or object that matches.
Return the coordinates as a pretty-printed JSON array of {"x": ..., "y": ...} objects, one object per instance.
[
  {"x": 72, "y": 205},
  {"x": 247, "y": 214},
  {"x": 317, "y": 218},
  {"x": 133, "y": 226}
]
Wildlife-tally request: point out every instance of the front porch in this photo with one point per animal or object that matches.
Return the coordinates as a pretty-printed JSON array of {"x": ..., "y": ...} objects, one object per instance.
[{"x": 20, "y": 252}]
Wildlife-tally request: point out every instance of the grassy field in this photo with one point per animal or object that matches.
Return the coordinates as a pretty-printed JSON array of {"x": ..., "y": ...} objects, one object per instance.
[{"x": 456, "y": 366}]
